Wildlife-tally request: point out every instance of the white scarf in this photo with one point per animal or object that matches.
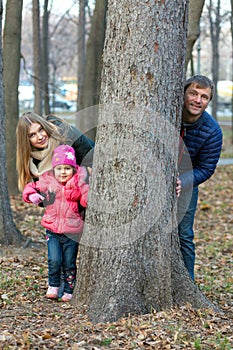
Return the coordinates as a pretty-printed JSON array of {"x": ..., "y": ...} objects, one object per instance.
[{"x": 45, "y": 158}]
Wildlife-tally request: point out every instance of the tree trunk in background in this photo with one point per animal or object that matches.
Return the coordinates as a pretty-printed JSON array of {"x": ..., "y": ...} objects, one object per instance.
[
  {"x": 37, "y": 57},
  {"x": 91, "y": 88},
  {"x": 8, "y": 231},
  {"x": 232, "y": 71},
  {"x": 94, "y": 56},
  {"x": 11, "y": 59},
  {"x": 214, "y": 19},
  {"x": 130, "y": 260},
  {"x": 45, "y": 58},
  {"x": 194, "y": 15},
  {"x": 81, "y": 49}
]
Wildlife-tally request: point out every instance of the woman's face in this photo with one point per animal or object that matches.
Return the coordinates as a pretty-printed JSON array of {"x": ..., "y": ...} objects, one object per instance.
[{"x": 38, "y": 137}]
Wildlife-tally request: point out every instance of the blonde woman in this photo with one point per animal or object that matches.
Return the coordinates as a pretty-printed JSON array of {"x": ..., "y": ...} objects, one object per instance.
[{"x": 38, "y": 136}]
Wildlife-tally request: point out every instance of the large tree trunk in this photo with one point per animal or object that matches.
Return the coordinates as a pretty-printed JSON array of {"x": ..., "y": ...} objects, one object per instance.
[
  {"x": 11, "y": 60},
  {"x": 37, "y": 58},
  {"x": 8, "y": 231},
  {"x": 130, "y": 261},
  {"x": 194, "y": 15}
]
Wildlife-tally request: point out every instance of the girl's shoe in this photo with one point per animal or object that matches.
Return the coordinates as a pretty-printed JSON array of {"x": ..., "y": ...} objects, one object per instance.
[
  {"x": 66, "y": 297},
  {"x": 52, "y": 292}
]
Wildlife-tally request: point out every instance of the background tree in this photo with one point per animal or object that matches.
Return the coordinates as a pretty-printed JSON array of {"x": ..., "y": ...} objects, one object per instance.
[
  {"x": 231, "y": 17},
  {"x": 60, "y": 32},
  {"x": 94, "y": 52},
  {"x": 194, "y": 15},
  {"x": 11, "y": 59},
  {"x": 8, "y": 231},
  {"x": 89, "y": 96},
  {"x": 215, "y": 21},
  {"x": 81, "y": 48},
  {"x": 37, "y": 57},
  {"x": 62, "y": 52},
  {"x": 130, "y": 261},
  {"x": 45, "y": 58}
]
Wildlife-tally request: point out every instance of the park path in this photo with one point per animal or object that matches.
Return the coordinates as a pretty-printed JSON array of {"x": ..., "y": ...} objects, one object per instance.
[{"x": 225, "y": 161}]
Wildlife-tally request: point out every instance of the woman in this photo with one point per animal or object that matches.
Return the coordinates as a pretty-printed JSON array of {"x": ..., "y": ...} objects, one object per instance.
[{"x": 38, "y": 136}]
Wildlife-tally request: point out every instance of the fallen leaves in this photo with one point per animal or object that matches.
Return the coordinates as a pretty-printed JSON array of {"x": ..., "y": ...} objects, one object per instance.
[{"x": 29, "y": 321}]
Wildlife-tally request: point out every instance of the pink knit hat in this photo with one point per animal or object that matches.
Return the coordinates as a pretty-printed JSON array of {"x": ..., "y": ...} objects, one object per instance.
[{"x": 64, "y": 155}]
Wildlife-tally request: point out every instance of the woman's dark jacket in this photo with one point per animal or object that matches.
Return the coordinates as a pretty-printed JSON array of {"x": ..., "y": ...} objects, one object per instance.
[{"x": 82, "y": 145}]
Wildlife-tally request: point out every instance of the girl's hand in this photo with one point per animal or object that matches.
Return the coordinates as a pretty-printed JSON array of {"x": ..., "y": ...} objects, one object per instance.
[{"x": 35, "y": 198}]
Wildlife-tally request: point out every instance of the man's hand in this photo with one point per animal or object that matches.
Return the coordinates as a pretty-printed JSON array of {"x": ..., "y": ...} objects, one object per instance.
[{"x": 178, "y": 187}]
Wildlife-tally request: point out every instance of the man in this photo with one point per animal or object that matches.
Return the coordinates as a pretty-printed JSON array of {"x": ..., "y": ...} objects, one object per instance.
[{"x": 202, "y": 143}]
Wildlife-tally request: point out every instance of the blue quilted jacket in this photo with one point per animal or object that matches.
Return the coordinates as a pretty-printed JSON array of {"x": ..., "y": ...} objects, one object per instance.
[{"x": 203, "y": 144}]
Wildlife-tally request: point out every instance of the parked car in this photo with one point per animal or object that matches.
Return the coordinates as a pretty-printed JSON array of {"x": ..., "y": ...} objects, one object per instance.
[{"x": 60, "y": 103}]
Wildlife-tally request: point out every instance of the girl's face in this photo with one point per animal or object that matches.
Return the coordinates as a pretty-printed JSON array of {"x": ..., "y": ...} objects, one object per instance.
[
  {"x": 38, "y": 136},
  {"x": 63, "y": 173}
]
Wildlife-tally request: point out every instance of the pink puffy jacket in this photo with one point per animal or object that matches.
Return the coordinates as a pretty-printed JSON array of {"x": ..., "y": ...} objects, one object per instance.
[{"x": 62, "y": 215}]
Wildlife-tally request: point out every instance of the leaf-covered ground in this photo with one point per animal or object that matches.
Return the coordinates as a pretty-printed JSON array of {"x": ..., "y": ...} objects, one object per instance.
[{"x": 29, "y": 321}]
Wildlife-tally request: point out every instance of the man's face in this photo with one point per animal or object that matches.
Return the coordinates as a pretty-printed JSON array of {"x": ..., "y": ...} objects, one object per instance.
[{"x": 196, "y": 101}]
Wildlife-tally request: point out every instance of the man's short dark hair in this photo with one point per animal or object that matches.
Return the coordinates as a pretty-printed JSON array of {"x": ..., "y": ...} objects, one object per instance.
[{"x": 201, "y": 81}]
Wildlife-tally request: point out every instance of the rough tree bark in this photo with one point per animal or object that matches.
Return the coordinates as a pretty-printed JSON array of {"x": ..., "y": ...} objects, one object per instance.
[
  {"x": 130, "y": 261},
  {"x": 11, "y": 61},
  {"x": 8, "y": 231}
]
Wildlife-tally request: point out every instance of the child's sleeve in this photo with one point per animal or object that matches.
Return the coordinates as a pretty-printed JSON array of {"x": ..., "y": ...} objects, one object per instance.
[
  {"x": 84, "y": 188},
  {"x": 72, "y": 191},
  {"x": 30, "y": 188},
  {"x": 76, "y": 188}
]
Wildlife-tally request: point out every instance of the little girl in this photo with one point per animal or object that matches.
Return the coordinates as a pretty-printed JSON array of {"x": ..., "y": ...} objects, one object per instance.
[{"x": 61, "y": 190}]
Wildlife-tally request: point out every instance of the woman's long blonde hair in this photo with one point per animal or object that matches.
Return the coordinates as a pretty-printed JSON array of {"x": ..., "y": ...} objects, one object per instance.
[{"x": 24, "y": 148}]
